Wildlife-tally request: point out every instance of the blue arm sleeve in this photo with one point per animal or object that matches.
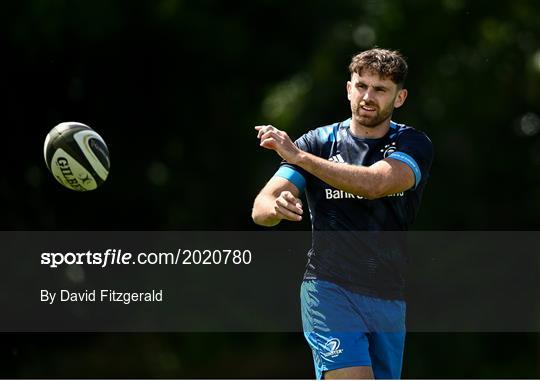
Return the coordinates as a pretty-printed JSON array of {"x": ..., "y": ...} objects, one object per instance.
[
  {"x": 407, "y": 159},
  {"x": 415, "y": 149},
  {"x": 294, "y": 176}
]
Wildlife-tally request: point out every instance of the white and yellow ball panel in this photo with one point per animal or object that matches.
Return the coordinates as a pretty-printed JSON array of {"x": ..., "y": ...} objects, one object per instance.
[{"x": 77, "y": 156}]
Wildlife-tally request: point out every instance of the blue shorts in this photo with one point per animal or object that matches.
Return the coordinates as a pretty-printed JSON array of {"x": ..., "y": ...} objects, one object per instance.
[{"x": 346, "y": 329}]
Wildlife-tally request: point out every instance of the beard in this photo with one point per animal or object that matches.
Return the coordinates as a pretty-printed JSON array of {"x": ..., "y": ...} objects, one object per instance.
[{"x": 376, "y": 118}]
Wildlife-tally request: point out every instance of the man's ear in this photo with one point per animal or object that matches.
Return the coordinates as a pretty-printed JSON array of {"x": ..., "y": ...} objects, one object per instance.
[
  {"x": 349, "y": 88},
  {"x": 400, "y": 98}
]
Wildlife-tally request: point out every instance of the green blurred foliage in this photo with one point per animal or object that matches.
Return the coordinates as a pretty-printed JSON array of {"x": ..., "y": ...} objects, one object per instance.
[
  {"x": 187, "y": 82},
  {"x": 175, "y": 88}
]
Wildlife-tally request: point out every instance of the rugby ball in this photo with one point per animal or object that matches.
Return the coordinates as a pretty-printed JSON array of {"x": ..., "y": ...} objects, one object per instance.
[{"x": 76, "y": 156}]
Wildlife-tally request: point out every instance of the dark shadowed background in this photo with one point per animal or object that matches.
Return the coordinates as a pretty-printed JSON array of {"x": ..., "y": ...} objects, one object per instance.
[{"x": 175, "y": 88}]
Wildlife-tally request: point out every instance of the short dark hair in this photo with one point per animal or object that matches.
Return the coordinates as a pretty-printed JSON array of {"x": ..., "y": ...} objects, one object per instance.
[{"x": 387, "y": 63}]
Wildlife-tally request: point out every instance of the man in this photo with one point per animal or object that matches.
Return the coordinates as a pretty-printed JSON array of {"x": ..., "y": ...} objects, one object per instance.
[{"x": 365, "y": 174}]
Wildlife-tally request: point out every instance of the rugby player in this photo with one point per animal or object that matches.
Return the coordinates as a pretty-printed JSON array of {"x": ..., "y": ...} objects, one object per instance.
[{"x": 364, "y": 174}]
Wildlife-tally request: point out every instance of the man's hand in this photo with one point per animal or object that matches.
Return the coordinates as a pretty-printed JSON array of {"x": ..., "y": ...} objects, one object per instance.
[
  {"x": 278, "y": 200},
  {"x": 288, "y": 207},
  {"x": 279, "y": 141}
]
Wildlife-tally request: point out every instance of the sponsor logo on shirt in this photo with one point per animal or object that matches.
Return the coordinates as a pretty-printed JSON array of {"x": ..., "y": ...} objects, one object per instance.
[{"x": 337, "y": 194}]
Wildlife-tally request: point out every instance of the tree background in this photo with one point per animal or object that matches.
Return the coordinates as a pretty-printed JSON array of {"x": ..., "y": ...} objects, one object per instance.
[{"x": 175, "y": 88}]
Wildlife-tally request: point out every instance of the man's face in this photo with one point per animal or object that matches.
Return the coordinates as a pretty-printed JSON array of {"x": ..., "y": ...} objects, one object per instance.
[{"x": 373, "y": 99}]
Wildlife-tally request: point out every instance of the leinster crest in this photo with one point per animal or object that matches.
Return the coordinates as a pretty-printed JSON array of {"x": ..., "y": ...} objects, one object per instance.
[{"x": 389, "y": 149}]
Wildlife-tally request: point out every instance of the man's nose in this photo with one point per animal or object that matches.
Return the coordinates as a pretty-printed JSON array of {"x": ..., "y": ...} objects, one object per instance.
[{"x": 367, "y": 94}]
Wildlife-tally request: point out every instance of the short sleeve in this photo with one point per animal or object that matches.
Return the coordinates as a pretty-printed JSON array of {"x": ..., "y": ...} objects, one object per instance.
[{"x": 415, "y": 149}]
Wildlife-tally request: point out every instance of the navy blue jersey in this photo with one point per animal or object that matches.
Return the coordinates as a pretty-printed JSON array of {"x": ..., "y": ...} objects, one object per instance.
[{"x": 346, "y": 247}]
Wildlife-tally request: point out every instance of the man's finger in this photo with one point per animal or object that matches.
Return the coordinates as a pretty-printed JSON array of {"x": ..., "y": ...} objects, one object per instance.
[
  {"x": 286, "y": 214},
  {"x": 268, "y": 143},
  {"x": 268, "y": 134},
  {"x": 286, "y": 194},
  {"x": 292, "y": 199},
  {"x": 260, "y": 131},
  {"x": 291, "y": 206},
  {"x": 263, "y": 129}
]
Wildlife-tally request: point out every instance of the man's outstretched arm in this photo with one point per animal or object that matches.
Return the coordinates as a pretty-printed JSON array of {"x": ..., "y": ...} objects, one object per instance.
[
  {"x": 278, "y": 200},
  {"x": 383, "y": 178}
]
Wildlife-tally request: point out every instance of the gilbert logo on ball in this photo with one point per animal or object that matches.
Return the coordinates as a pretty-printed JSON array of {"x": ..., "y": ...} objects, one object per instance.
[{"x": 77, "y": 156}]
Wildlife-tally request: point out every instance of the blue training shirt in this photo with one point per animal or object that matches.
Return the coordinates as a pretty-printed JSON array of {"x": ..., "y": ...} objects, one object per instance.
[{"x": 346, "y": 248}]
